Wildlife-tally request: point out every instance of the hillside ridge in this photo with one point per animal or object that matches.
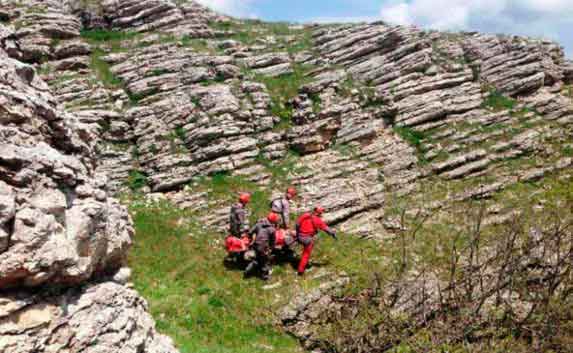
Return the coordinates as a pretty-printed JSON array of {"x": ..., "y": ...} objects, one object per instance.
[{"x": 170, "y": 100}]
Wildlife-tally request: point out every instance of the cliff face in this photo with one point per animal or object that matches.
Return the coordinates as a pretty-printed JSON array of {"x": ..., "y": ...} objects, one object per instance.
[
  {"x": 63, "y": 237},
  {"x": 363, "y": 113}
]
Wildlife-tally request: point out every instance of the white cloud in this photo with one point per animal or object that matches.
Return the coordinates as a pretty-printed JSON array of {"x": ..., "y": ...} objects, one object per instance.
[
  {"x": 236, "y": 8},
  {"x": 539, "y": 18}
]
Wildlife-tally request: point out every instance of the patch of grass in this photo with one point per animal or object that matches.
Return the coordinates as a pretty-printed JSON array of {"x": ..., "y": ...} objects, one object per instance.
[
  {"x": 223, "y": 187},
  {"x": 347, "y": 86},
  {"x": 44, "y": 69},
  {"x": 37, "y": 9},
  {"x": 248, "y": 31},
  {"x": 102, "y": 70},
  {"x": 105, "y": 36},
  {"x": 346, "y": 149},
  {"x": 316, "y": 102},
  {"x": 135, "y": 98},
  {"x": 413, "y": 137},
  {"x": 137, "y": 180},
  {"x": 54, "y": 42},
  {"x": 199, "y": 45},
  {"x": 219, "y": 78},
  {"x": 115, "y": 41},
  {"x": 181, "y": 133},
  {"x": 156, "y": 72},
  {"x": 206, "y": 307},
  {"x": 416, "y": 139},
  {"x": 496, "y": 101},
  {"x": 282, "y": 89},
  {"x": 281, "y": 171},
  {"x": 369, "y": 97},
  {"x": 119, "y": 146},
  {"x": 303, "y": 43}
]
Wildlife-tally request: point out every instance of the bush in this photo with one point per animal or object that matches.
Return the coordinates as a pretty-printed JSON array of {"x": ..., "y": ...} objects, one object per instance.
[{"x": 461, "y": 283}]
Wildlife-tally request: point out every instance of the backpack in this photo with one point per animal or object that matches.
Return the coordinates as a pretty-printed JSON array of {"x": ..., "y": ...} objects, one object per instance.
[
  {"x": 273, "y": 202},
  {"x": 306, "y": 215}
]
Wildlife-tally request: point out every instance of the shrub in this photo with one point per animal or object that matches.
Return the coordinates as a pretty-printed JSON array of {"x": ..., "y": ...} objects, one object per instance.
[{"x": 137, "y": 180}]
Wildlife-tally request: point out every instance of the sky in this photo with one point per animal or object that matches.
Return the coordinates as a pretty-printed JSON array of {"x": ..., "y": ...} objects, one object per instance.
[{"x": 551, "y": 19}]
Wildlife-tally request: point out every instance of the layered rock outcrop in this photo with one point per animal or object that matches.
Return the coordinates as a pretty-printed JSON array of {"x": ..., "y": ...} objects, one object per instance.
[{"x": 63, "y": 237}]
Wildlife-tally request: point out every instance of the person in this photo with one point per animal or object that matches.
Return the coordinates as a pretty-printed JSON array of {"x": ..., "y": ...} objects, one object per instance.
[
  {"x": 236, "y": 242},
  {"x": 238, "y": 216},
  {"x": 281, "y": 206},
  {"x": 307, "y": 227},
  {"x": 264, "y": 241}
]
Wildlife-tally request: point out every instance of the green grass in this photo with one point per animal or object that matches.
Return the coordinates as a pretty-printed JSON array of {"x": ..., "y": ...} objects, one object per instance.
[
  {"x": 412, "y": 137},
  {"x": 224, "y": 188},
  {"x": 206, "y": 307},
  {"x": 199, "y": 45},
  {"x": 303, "y": 42},
  {"x": 498, "y": 102},
  {"x": 135, "y": 98},
  {"x": 248, "y": 31},
  {"x": 137, "y": 180},
  {"x": 282, "y": 89},
  {"x": 181, "y": 133},
  {"x": 102, "y": 70},
  {"x": 281, "y": 171},
  {"x": 105, "y": 36},
  {"x": 157, "y": 72}
]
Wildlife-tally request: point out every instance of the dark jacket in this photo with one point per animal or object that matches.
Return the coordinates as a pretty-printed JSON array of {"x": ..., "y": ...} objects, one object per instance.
[
  {"x": 238, "y": 220},
  {"x": 265, "y": 233}
]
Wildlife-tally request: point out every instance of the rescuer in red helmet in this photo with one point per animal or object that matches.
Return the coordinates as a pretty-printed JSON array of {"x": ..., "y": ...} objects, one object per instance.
[
  {"x": 281, "y": 206},
  {"x": 307, "y": 227},
  {"x": 264, "y": 241},
  {"x": 238, "y": 224}
]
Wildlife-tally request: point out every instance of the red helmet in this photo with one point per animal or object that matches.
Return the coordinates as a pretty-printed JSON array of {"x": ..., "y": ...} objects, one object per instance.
[
  {"x": 273, "y": 218},
  {"x": 244, "y": 198},
  {"x": 291, "y": 191},
  {"x": 318, "y": 210}
]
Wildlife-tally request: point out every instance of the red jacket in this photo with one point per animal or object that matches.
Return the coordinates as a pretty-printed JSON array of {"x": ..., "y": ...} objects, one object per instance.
[{"x": 308, "y": 225}]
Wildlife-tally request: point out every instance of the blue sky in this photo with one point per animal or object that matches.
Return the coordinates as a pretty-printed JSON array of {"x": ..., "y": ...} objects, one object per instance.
[{"x": 552, "y": 19}]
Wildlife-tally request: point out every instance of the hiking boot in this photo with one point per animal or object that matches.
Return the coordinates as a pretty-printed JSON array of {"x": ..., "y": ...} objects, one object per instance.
[{"x": 250, "y": 268}]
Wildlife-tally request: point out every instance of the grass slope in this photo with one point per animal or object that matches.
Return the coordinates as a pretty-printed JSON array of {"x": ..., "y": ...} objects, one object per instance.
[{"x": 206, "y": 307}]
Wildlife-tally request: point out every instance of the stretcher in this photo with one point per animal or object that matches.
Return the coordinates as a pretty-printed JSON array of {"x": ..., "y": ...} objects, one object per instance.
[{"x": 235, "y": 245}]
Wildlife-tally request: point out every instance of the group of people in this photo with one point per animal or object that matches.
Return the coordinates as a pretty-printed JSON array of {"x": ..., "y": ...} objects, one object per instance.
[{"x": 264, "y": 235}]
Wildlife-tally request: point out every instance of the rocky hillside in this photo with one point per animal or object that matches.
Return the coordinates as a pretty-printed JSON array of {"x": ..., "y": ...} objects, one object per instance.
[{"x": 172, "y": 100}]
